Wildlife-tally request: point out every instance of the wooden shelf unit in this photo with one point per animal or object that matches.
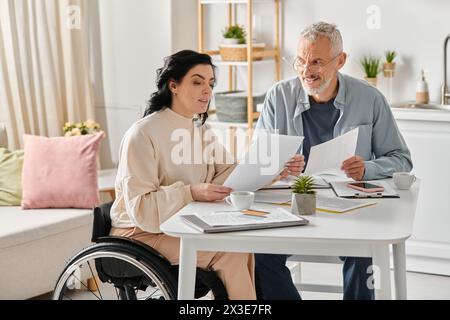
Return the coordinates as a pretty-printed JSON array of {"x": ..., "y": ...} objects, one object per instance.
[{"x": 268, "y": 55}]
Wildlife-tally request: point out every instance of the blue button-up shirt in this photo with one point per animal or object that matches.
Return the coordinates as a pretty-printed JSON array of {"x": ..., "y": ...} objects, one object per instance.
[{"x": 380, "y": 142}]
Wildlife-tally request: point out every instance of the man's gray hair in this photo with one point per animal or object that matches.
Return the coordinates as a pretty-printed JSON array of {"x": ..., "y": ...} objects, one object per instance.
[{"x": 325, "y": 29}]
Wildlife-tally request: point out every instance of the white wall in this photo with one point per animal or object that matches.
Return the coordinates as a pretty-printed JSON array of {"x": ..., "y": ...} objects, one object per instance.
[
  {"x": 414, "y": 28},
  {"x": 128, "y": 42},
  {"x": 184, "y": 25},
  {"x": 130, "y": 39}
]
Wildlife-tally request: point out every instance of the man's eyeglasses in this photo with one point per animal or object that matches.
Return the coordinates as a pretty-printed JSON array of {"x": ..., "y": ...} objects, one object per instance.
[{"x": 315, "y": 66}]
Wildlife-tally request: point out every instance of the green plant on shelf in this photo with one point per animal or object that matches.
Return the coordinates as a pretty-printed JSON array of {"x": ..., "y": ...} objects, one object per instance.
[
  {"x": 371, "y": 66},
  {"x": 390, "y": 56},
  {"x": 235, "y": 32}
]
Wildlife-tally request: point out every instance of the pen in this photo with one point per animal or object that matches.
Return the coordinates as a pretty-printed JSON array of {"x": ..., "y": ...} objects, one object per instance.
[
  {"x": 253, "y": 216},
  {"x": 255, "y": 213}
]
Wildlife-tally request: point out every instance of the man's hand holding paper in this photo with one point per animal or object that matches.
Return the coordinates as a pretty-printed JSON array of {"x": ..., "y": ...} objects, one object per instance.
[
  {"x": 354, "y": 167},
  {"x": 335, "y": 156},
  {"x": 294, "y": 167}
]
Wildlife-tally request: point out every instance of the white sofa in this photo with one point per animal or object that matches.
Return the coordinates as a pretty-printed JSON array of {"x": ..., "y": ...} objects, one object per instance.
[{"x": 36, "y": 244}]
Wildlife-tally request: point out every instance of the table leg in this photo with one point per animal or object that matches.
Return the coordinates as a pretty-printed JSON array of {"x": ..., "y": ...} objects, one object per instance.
[
  {"x": 381, "y": 272},
  {"x": 399, "y": 270},
  {"x": 187, "y": 270}
]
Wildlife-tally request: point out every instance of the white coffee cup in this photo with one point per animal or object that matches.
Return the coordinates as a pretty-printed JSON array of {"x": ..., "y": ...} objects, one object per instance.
[
  {"x": 404, "y": 180},
  {"x": 241, "y": 200}
]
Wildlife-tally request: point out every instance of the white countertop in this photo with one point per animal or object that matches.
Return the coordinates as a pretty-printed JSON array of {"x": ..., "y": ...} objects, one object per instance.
[
  {"x": 422, "y": 114},
  {"x": 399, "y": 114}
]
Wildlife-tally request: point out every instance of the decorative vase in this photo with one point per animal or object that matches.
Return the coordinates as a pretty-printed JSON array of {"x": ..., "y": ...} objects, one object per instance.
[
  {"x": 389, "y": 69},
  {"x": 303, "y": 204},
  {"x": 372, "y": 81}
]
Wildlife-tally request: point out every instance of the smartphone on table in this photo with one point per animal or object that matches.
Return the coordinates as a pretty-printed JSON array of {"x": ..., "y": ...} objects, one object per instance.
[{"x": 365, "y": 187}]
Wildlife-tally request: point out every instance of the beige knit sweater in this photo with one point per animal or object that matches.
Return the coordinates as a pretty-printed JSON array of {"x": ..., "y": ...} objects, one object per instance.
[{"x": 153, "y": 181}]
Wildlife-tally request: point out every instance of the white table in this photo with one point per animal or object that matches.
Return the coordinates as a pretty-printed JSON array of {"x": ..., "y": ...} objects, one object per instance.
[{"x": 366, "y": 232}]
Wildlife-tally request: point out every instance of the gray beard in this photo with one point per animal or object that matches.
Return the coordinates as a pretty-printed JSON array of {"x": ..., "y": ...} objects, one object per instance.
[{"x": 316, "y": 91}]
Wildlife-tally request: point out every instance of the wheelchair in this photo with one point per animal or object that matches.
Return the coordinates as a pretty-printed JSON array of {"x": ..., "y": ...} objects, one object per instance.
[{"x": 120, "y": 268}]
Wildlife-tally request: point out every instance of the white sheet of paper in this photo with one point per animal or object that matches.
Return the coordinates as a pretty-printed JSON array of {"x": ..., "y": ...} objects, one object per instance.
[
  {"x": 326, "y": 178},
  {"x": 319, "y": 183},
  {"x": 236, "y": 218},
  {"x": 264, "y": 161},
  {"x": 340, "y": 205},
  {"x": 328, "y": 156},
  {"x": 273, "y": 196}
]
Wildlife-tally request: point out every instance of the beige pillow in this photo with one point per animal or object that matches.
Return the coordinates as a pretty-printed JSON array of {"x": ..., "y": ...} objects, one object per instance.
[{"x": 11, "y": 163}]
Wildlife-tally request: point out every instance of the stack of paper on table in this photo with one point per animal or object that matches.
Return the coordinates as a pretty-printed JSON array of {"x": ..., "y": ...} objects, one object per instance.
[
  {"x": 273, "y": 196},
  {"x": 234, "y": 218},
  {"x": 339, "y": 205},
  {"x": 323, "y": 203},
  {"x": 225, "y": 221},
  {"x": 329, "y": 177},
  {"x": 285, "y": 183},
  {"x": 319, "y": 183}
]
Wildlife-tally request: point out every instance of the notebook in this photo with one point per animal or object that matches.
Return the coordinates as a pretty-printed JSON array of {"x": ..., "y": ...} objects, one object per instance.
[{"x": 227, "y": 221}]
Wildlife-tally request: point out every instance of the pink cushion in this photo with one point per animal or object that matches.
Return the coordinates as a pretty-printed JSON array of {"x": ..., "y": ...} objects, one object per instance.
[{"x": 60, "y": 172}]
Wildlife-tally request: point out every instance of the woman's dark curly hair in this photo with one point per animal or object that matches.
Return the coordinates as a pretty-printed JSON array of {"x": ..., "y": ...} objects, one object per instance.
[{"x": 175, "y": 68}]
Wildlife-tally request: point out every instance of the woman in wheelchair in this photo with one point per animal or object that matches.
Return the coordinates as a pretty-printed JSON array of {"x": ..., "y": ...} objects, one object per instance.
[
  {"x": 167, "y": 160},
  {"x": 164, "y": 164}
]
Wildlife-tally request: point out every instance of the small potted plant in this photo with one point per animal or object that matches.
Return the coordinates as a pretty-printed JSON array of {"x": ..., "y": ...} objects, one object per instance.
[
  {"x": 233, "y": 35},
  {"x": 372, "y": 69},
  {"x": 234, "y": 45},
  {"x": 303, "y": 196},
  {"x": 389, "y": 65}
]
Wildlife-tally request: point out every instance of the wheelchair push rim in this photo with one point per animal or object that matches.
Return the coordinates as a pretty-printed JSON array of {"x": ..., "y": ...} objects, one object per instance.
[{"x": 69, "y": 280}]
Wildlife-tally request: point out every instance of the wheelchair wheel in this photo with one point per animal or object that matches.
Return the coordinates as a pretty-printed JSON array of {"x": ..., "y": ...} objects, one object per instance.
[{"x": 116, "y": 271}]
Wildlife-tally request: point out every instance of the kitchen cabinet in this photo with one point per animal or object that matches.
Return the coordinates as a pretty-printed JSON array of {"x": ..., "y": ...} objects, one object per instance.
[{"x": 427, "y": 133}]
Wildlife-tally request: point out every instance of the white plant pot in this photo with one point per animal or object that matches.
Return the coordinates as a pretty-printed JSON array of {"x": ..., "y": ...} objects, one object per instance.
[
  {"x": 303, "y": 204},
  {"x": 230, "y": 41}
]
